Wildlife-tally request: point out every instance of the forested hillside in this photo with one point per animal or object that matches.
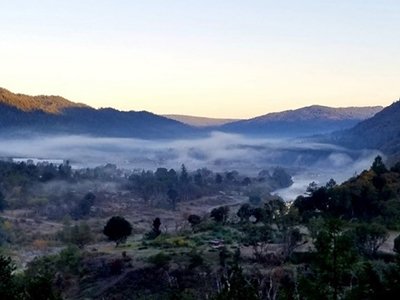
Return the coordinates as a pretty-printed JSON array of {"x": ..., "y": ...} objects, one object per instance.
[
  {"x": 35, "y": 115},
  {"x": 379, "y": 132},
  {"x": 305, "y": 121}
]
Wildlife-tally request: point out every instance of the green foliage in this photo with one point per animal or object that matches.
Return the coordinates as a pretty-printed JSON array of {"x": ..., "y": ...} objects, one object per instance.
[
  {"x": 155, "y": 231},
  {"x": 184, "y": 176},
  {"x": 220, "y": 214},
  {"x": 396, "y": 245},
  {"x": 160, "y": 260},
  {"x": 69, "y": 259},
  {"x": 218, "y": 179},
  {"x": 37, "y": 285},
  {"x": 84, "y": 206},
  {"x": 375, "y": 280},
  {"x": 40, "y": 287},
  {"x": 3, "y": 203},
  {"x": 194, "y": 220},
  {"x": 244, "y": 212},
  {"x": 79, "y": 235},
  {"x": 274, "y": 210},
  {"x": 165, "y": 241},
  {"x": 237, "y": 287},
  {"x": 8, "y": 286},
  {"x": 254, "y": 234},
  {"x": 196, "y": 259},
  {"x": 369, "y": 237},
  {"x": 378, "y": 166},
  {"x": 332, "y": 266},
  {"x": 3, "y": 233},
  {"x": 373, "y": 195},
  {"x": 117, "y": 229}
]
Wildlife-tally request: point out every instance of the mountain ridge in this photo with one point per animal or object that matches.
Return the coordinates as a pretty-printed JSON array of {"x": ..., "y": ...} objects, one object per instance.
[
  {"x": 310, "y": 120},
  {"x": 46, "y": 103},
  {"x": 381, "y": 132},
  {"x": 56, "y": 115},
  {"x": 321, "y": 111}
]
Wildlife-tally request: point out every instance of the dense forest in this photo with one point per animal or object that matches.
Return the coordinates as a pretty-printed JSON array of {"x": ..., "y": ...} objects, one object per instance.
[{"x": 89, "y": 234}]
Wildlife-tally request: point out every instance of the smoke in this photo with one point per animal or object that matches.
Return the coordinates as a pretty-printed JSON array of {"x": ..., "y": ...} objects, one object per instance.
[{"x": 308, "y": 161}]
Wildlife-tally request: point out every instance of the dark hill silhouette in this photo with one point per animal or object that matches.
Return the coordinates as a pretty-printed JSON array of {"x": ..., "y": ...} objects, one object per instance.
[
  {"x": 22, "y": 114},
  {"x": 379, "y": 132}
]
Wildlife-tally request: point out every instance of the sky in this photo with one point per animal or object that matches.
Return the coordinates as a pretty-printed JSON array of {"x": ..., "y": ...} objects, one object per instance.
[{"x": 219, "y": 58}]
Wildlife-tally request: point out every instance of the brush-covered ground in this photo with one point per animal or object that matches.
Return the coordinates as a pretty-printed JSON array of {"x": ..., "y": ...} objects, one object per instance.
[{"x": 199, "y": 235}]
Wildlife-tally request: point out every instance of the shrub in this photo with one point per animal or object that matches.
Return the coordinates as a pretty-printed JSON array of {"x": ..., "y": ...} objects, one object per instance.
[{"x": 160, "y": 260}]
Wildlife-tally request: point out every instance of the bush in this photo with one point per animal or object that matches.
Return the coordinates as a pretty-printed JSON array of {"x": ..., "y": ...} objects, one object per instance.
[
  {"x": 220, "y": 214},
  {"x": 118, "y": 229},
  {"x": 196, "y": 260},
  {"x": 194, "y": 220},
  {"x": 160, "y": 260}
]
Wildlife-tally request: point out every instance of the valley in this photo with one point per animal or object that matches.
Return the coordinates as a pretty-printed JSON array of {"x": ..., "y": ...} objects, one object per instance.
[{"x": 210, "y": 210}]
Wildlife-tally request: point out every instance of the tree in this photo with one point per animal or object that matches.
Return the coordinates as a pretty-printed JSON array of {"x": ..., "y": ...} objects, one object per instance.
[
  {"x": 244, "y": 212},
  {"x": 331, "y": 184},
  {"x": 396, "y": 168},
  {"x": 246, "y": 181},
  {"x": 155, "y": 231},
  {"x": 258, "y": 214},
  {"x": 117, "y": 229},
  {"x": 198, "y": 179},
  {"x": 2, "y": 202},
  {"x": 184, "y": 176},
  {"x": 237, "y": 287},
  {"x": 7, "y": 282},
  {"x": 81, "y": 235},
  {"x": 335, "y": 255},
  {"x": 173, "y": 197},
  {"x": 291, "y": 240},
  {"x": 78, "y": 235},
  {"x": 274, "y": 210},
  {"x": 218, "y": 179},
  {"x": 194, "y": 220},
  {"x": 220, "y": 214},
  {"x": 378, "y": 166},
  {"x": 312, "y": 187},
  {"x": 396, "y": 246},
  {"x": 84, "y": 205},
  {"x": 369, "y": 237}
]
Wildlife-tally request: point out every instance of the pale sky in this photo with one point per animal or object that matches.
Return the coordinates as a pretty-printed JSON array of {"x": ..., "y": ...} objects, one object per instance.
[{"x": 216, "y": 58}]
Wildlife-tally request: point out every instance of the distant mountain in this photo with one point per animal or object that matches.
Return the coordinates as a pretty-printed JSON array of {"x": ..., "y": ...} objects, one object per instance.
[
  {"x": 200, "y": 121},
  {"x": 379, "y": 132},
  {"x": 309, "y": 120},
  {"x": 23, "y": 114}
]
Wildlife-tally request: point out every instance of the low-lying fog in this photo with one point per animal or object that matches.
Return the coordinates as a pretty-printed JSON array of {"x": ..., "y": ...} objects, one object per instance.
[{"x": 307, "y": 161}]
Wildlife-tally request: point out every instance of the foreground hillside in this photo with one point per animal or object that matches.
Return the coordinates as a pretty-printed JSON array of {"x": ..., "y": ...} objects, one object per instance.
[
  {"x": 23, "y": 114},
  {"x": 304, "y": 121},
  {"x": 97, "y": 234}
]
